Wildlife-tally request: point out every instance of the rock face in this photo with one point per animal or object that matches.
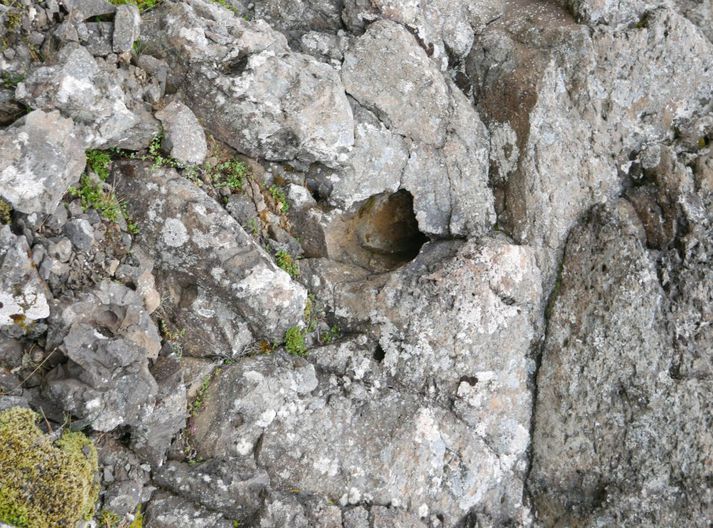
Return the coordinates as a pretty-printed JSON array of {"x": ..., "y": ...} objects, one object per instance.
[
  {"x": 363, "y": 263},
  {"x": 211, "y": 257},
  {"x": 40, "y": 157}
]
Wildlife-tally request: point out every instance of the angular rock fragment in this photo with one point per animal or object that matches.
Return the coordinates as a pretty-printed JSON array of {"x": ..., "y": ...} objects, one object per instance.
[
  {"x": 168, "y": 511},
  {"x": 127, "y": 27},
  {"x": 23, "y": 295},
  {"x": 184, "y": 138},
  {"x": 41, "y": 155},
  {"x": 250, "y": 90}
]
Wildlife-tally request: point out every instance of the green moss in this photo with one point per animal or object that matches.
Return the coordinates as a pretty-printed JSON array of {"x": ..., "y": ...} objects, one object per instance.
[
  {"x": 287, "y": 263},
  {"x": 143, "y": 5},
  {"x": 5, "y": 212},
  {"x": 295, "y": 342},
  {"x": 98, "y": 161},
  {"x": 44, "y": 484},
  {"x": 138, "y": 521}
]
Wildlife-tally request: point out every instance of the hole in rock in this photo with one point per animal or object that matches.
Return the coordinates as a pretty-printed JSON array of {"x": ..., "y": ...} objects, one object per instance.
[{"x": 386, "y": 224}]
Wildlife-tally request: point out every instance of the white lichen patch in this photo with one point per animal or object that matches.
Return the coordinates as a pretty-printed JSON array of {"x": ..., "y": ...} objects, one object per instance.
[{"x": 174, "y": 233}]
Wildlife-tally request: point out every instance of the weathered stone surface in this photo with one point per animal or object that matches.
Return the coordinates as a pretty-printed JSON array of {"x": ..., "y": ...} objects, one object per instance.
[
  {"x": 85, "y": 9},
  {"x": 251, "y": 91},
  {"x": 167, "y": 511},
  {"x": 581, "y": 87},
  {"x": 208, "y": 254},
  {"x": 108, "y": 337},
  {"x": 23, "y": 295},
  {"x": 152, "y": 437},
  {"x": 40, "y": 157},
  {"x": 127, "y": 27},
  {"x": 184, "y": 137},
  {"x": 621, "y": 434},
  {"x": 81, "y": 88},
  {"x": 299, "y": 15},
  {"x": 236, "y": 487},
  {"x": 409, "y": 94}
]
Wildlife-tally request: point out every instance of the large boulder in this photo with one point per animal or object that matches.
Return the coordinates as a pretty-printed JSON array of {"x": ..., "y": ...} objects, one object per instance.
[
  {"x": 41, "y": 155},
  {"x": 622, "y": 432},
  {"x": 569, "y": 110}
]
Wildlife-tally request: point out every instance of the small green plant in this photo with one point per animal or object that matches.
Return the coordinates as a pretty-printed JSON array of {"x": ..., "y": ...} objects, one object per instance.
[
  {"x": 98, "y": 161},
  {"x": 295, "y": 342},
  {"x": 11, "y": 80},
  {"x": 5, "y": 212},
  {"x": 286, "y": 262},
  {"x": 229, "y": 174},
  {"x": 93, "y": 196},
  {"x": 254, "y": 226},
  {"x": 155, "y": 155},
  {"x": 142, "y": 5},
  {"x": 330, "y": 335},
  {"x": 138, "y": 521},
  {"x": 108, "y": 519},
  {"x": 280, "y": 198},
  {"x": 138, "y": 47},
  {"x": 227, "y": 5},
  {"x": 199, "y": 400}
]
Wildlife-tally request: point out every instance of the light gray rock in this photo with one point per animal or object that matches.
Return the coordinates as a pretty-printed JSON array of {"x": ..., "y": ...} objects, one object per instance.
[
  {"x": 81, "y": 88},
  {"x": 184, "y": 137},
  {"x": 236, "y": 487},
  {"x": 167, "y": 511},
  {"x": 153, "y": 436},
  {"x": 109, "y": 338},
  {"x": 23, "y": 295},
  {"x": 127, "y": 27},
  {"x": 250, "y": 90},
  {"x": 98, "y": 40},
  {"x": 297, "y": 16},
  {"x": 544, "y": 99},
  {"x": 212, "y": 259},
  {"x": 40, "y": 157},
  {"x": 409, "y": 94},
  {"x": 86, "y": 9},
  {"x": 80, "y": 233}
]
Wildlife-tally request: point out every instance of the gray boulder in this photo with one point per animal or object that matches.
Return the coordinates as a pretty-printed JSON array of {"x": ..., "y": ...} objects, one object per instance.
[
  {"x": 620, "y": 430},
  {"x": 40, "y": 157},
  {"x": 89, "y": 93},
  {"x": 215, "y": 262}
]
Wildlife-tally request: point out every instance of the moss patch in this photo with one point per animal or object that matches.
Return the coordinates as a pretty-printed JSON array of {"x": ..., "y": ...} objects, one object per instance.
[{"x": 42, "y": 483}]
